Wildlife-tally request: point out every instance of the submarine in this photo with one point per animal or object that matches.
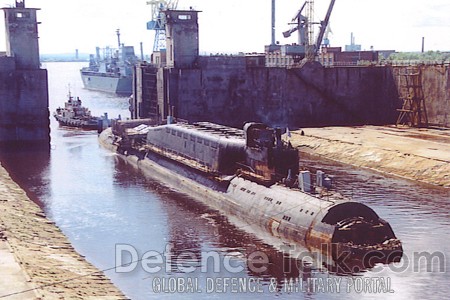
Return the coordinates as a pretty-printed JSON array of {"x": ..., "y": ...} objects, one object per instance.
[{"x": 253, "y": 174}]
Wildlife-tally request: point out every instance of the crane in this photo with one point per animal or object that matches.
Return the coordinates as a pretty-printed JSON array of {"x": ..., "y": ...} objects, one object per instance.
[
  {"x": 305, "y": 26},
  {"x": 326, "y": 40},
  {"x": 300, "y": 25},
  {"x": 324, "y": 25},
  {"x": 158, "y": 22}
]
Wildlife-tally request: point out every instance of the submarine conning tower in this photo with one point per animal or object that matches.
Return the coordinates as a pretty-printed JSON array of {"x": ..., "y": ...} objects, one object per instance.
[
  {"x": 252, "y": 174},
  {"x": 268, "y": 158},
  {"x": 24, "y": 112},
  {"x": 315, "y": 216}
]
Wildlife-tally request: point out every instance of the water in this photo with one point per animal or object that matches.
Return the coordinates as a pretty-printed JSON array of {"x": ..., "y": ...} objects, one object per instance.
[{"x": 102, "y": 204}]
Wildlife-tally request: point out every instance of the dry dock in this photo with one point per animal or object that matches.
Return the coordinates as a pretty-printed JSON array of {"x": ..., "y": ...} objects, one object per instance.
[
  {"x": 416, "y": 154},
  {"x": 36, "y": 259}
]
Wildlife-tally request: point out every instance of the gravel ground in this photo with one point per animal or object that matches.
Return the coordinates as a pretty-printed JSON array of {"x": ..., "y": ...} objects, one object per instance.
[{"x": 416, "y": 154}]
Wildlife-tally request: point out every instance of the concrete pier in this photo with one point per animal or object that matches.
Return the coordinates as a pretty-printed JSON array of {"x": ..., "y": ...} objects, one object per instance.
[
  {"x": 36, "y": 259},
  {"x": 24, "y": 113},
  {"x": 416, "y": 154}
]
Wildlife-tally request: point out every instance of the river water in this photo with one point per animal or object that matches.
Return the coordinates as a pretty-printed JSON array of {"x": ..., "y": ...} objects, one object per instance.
[{"x": 113, "y": 214}]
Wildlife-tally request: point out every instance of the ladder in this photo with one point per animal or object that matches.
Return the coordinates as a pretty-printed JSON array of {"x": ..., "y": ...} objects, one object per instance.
[{"x": 413, "y": 112}]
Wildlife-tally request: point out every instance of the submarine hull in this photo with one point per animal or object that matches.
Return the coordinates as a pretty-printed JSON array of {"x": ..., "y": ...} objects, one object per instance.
[{"x": 281, "y": 211}]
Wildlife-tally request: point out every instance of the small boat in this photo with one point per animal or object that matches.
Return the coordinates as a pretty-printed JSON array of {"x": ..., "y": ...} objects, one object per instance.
[{"x": 73, "y": 114}]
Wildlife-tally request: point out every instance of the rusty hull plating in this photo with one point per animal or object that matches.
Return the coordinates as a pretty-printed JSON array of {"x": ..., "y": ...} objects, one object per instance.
[{"x": 252, "y": 173}]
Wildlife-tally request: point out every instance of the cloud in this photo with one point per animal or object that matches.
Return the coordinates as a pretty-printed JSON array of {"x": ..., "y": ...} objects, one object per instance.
[
  {"x": 434, "y": 16},
  {"x": 239, "y": 25}
]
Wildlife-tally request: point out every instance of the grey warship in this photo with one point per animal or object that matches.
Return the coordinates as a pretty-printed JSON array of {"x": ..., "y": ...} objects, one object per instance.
[
  {"x": 110, "y": 71},
  {"x": 254, "y": 175}
]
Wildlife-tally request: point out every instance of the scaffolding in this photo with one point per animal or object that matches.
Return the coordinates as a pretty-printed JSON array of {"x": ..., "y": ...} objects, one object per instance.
[{"x": 413, "y": 112}]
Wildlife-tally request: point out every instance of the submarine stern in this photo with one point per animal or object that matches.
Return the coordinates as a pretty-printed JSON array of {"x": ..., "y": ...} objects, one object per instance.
[{"x": 359, "y": 233}]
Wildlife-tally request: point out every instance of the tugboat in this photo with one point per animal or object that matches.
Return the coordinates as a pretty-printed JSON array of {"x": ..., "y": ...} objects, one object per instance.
[{"x": 75, "y": 115}]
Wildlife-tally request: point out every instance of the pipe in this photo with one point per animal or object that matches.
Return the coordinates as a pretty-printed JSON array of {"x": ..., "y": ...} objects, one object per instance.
[{"x": 273, "y": 22}]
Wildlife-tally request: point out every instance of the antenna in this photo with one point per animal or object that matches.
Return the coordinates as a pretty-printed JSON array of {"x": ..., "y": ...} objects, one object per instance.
[
  {"x": 273, "y": 22},
  {"x": 20, "y": 3}
]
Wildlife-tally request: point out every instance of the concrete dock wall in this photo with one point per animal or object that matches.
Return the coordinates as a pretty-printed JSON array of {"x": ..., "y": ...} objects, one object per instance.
[
  {"x": 230, "y": 90},
  {"x": 436, "y": 89},
  {"x": 24, "y": 114},
  {"x": 226, "y": 91}
]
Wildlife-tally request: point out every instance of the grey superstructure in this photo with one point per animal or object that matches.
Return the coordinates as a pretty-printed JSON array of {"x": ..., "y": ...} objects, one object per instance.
[
  {"x": 110, "y": 71},
  {"x": 254, "y": 175}
]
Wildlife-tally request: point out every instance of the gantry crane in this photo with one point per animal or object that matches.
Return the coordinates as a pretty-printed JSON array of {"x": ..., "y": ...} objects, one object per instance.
[{"x": 158, "y": 22}]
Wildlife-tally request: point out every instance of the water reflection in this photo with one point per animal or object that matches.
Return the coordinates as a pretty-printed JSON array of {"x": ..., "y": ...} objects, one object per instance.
[
  {"x": 196, "y": 232},
  {"x": 99, "y": 201},
  {"x": 30, "y": 169},
  {"x": 384, "y": 192}
]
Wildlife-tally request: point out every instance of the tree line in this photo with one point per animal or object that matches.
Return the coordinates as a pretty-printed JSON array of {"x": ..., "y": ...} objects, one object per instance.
[{"x": 435, "y": 56}]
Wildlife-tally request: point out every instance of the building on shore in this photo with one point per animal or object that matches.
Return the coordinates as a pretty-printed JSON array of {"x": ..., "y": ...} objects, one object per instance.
[
  {"x": 24, "y": 112},
  {"x": 334, "y": 56}
]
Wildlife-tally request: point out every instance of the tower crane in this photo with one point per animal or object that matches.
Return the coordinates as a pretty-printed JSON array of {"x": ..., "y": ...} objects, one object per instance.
[{"x": 158, "y": 22}]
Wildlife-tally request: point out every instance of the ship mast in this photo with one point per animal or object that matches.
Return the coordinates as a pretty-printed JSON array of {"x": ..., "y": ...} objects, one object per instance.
[{"x": 118, "y": 36}]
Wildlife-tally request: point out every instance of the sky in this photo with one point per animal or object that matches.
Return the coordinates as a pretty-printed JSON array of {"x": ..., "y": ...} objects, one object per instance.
[{"x": 234, "y": 26}]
